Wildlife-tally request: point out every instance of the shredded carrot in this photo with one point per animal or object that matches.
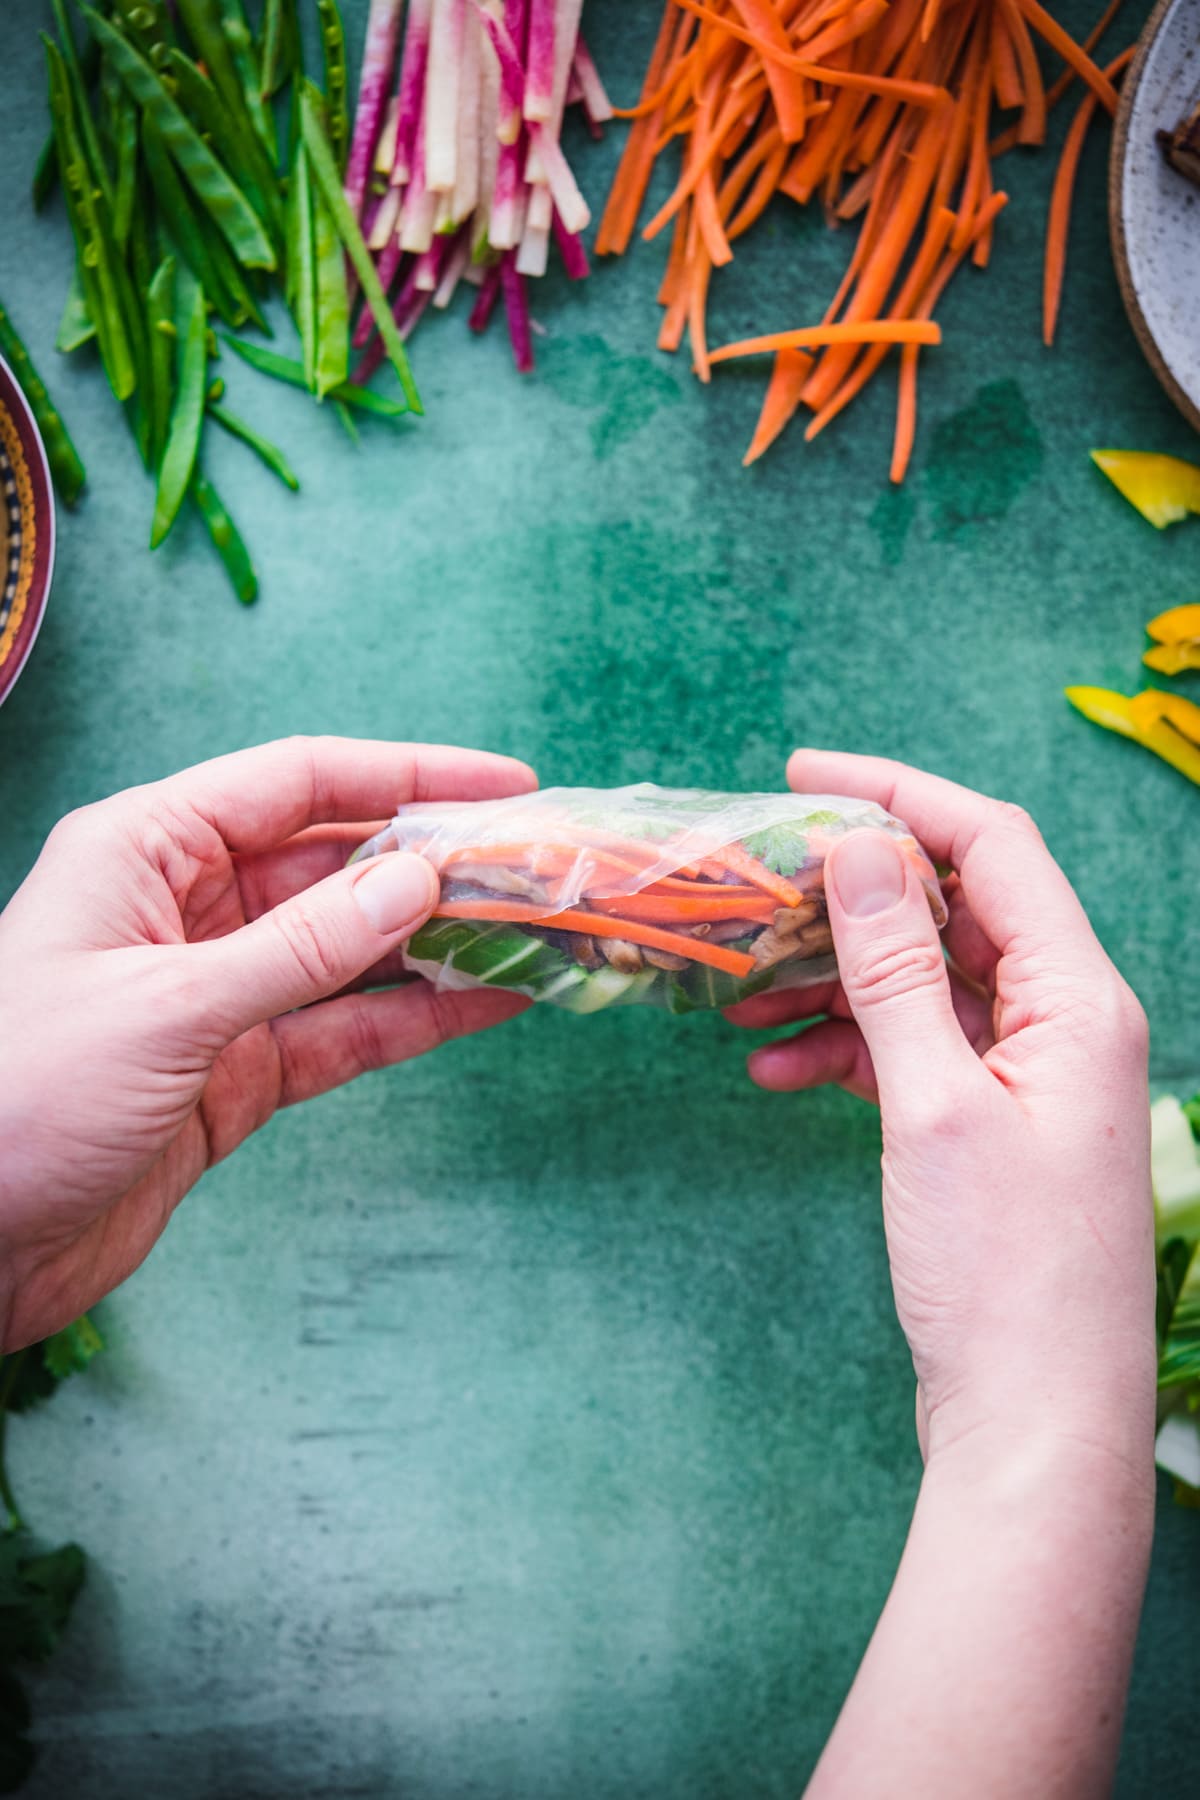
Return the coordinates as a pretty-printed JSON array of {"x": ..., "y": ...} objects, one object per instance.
[
  {"x": 1059, "y": 218},
  {"x": 740, "y": 862},
  {"x": 883, "y": 112},
  {"x": 594, "y": 924},
  {"x": 812, "y": 337}
]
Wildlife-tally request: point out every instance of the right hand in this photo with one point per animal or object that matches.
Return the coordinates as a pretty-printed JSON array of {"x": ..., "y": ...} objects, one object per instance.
[{"x": 1013, "y": 1090}]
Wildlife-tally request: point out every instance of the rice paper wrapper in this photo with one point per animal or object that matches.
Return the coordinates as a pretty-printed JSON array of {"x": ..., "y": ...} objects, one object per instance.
[{"x": 596, "y": 897}]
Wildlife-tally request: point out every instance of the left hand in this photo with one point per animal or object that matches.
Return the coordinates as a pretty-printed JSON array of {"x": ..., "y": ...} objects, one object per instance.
[{"x": 150, "y": 971}]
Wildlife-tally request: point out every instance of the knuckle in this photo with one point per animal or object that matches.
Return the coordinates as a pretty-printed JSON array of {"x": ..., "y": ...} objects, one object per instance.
[
  {"x": 367, "y": 1048},
  {"x": 895, "y": 971},
  {"x": 306, "y": 942},
  {"x": 1015, "y": 818}
]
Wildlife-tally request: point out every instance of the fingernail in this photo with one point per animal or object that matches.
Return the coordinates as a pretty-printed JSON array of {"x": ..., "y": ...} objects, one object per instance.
[
  {"x": 867, "y": 874},
  {"x": 396, "y": 892}
]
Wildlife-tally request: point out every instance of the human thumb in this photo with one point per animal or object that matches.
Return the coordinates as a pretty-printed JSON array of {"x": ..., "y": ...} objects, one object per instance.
[
  {"x": 313, "y": 944},
  {"x": 891, "y": 965}
]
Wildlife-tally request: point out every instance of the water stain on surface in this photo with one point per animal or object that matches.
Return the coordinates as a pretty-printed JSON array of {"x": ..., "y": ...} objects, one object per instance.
[
  {"x": 980, "y": 459},
  {"x": 624, "y": 392},
  {"x": 890, "y": 519}
]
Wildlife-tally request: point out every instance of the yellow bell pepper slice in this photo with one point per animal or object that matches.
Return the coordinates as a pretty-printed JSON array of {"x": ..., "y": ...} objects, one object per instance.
[
  {"x": 1103, "y": 707},
  {"x": 1164, "y": 723},
  {"x": 1176, "y": 637},
  {"x": 1164, "y": 489},
  {"x": 1148, "y": 709}
]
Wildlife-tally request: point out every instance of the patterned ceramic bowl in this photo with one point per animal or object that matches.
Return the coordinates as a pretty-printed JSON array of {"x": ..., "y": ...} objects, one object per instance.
[{"x": 26, "y": 530}]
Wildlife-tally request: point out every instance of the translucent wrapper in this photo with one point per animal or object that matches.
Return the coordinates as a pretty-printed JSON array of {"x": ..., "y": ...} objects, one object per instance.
[{"x": 595, "y": 897}]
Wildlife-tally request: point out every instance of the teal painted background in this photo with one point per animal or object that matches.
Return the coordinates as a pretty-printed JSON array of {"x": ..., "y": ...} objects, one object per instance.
[{"x": 533, "y": 1420}]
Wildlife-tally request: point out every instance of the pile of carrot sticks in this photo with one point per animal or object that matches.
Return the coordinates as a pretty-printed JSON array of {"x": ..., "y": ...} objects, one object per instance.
[{"x": 885, "y": 112}]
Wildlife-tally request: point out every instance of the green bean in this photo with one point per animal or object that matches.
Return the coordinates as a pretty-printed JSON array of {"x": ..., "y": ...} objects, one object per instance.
[
  {"x": 176, "y": 210},
  {"x": 187, "y": 416},
  {"x": 91, "y": 242},
  {"x": 301, "y": 272},
  {"x": 285, "y": 368},
  {"x": 216, "y": 191},
  {"x": 233, "y": 141},
  {"x": 83, "y": 112},
  {"x": 325, "y": 171},
  {"x": 332, "y": 302},
  {"x": 160, "y": 314},
  {"x": 65, "y": 465},
  {"x": 76, "y": 327},
  {"x": 245, "y": 61},
  {"x": 225, "y": 536},
  {"x": 262, "y": 447},
  {"x": 333, "y": 49}
]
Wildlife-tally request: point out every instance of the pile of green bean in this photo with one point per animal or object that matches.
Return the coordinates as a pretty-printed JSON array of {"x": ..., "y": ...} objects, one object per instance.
[{"x": 199, "y": 166}]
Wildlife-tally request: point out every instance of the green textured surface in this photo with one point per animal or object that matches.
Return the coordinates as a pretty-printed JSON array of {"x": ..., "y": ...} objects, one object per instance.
[{"x": 533, "y": 1420}]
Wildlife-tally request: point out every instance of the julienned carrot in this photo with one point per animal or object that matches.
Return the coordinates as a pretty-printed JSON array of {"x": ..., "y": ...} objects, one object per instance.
[
  {"x": 1059, "y": 217},
  {"x": 676, "y": 909},
  {"x": 573, "y": 918},
  {"x": 881, "y": 109},
  {"x": 812, "y": 337},
  {"x": 740, "y": 862}
]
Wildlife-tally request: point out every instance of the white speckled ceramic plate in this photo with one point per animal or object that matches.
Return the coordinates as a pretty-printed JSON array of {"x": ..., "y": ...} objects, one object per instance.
[{"x": 1154, "y": 211}]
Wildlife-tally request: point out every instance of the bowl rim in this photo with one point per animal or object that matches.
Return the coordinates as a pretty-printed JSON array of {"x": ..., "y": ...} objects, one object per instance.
[{"x": 12, "y": 396}]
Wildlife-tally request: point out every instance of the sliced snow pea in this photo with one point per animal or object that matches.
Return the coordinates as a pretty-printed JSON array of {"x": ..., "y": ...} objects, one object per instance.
[
  {"x": 333, "y": 49},
  {"x": 203, "y": 23},
  {"x": 280, "y": 44},
  {"x": 262, "y": 447},
  {"x": 346, "y": 421},
  {"x": 187, "y": 416},
  {"x": 147, "y": 25},
  {"x": 230, "y": 137},
  {"x": 216, "y": 191},
  {"x": 332, "y": 302},
  {"x": 65, "y": 465},
  {"x": 45, "y": 174},
  {"x": 244, "y": 57},
  {"x": 85, "y": 124},
  {"x": 235, "y": 285},
  {"x": 91, "y": 241},
  {"x": 226, "y": 538},
  {"x": 327, "y": 179},
  {"x": 285, "y": 368},
  {"x": 76, "y": 327},
  {"x": 184, "y": 226},
  {"x": 125, "y": 138},
  {"x": 160, "y": 314},
  {"x": 301, "y": 273}
]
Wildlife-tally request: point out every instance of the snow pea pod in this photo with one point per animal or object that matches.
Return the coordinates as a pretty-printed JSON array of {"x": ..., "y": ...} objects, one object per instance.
[
  {"x": 333, "y": 48},
  {"x": 76, "y": 327},
  {"x": 285, "y": 368},
  {"x": 232, "y": 282},
  {"x": 301, "y": 275},
  {"x": 262, "y": 447},
  {"x": 187, "y": 416},
  {"x": 231, "y": 138},
  {"x": 65, "y": 464},
  {"x": 216, "y": 191},
  {"x": 332, "y": 301},
  {"x": 160, "y": 314},
  {"x": 91, "y": 242},
  {"x": 226, "y": 539},
  {"x": 327, "y": 179}
]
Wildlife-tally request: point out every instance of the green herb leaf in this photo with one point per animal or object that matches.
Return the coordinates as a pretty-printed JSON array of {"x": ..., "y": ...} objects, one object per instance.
[{"x": 70, "y": 1351}]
